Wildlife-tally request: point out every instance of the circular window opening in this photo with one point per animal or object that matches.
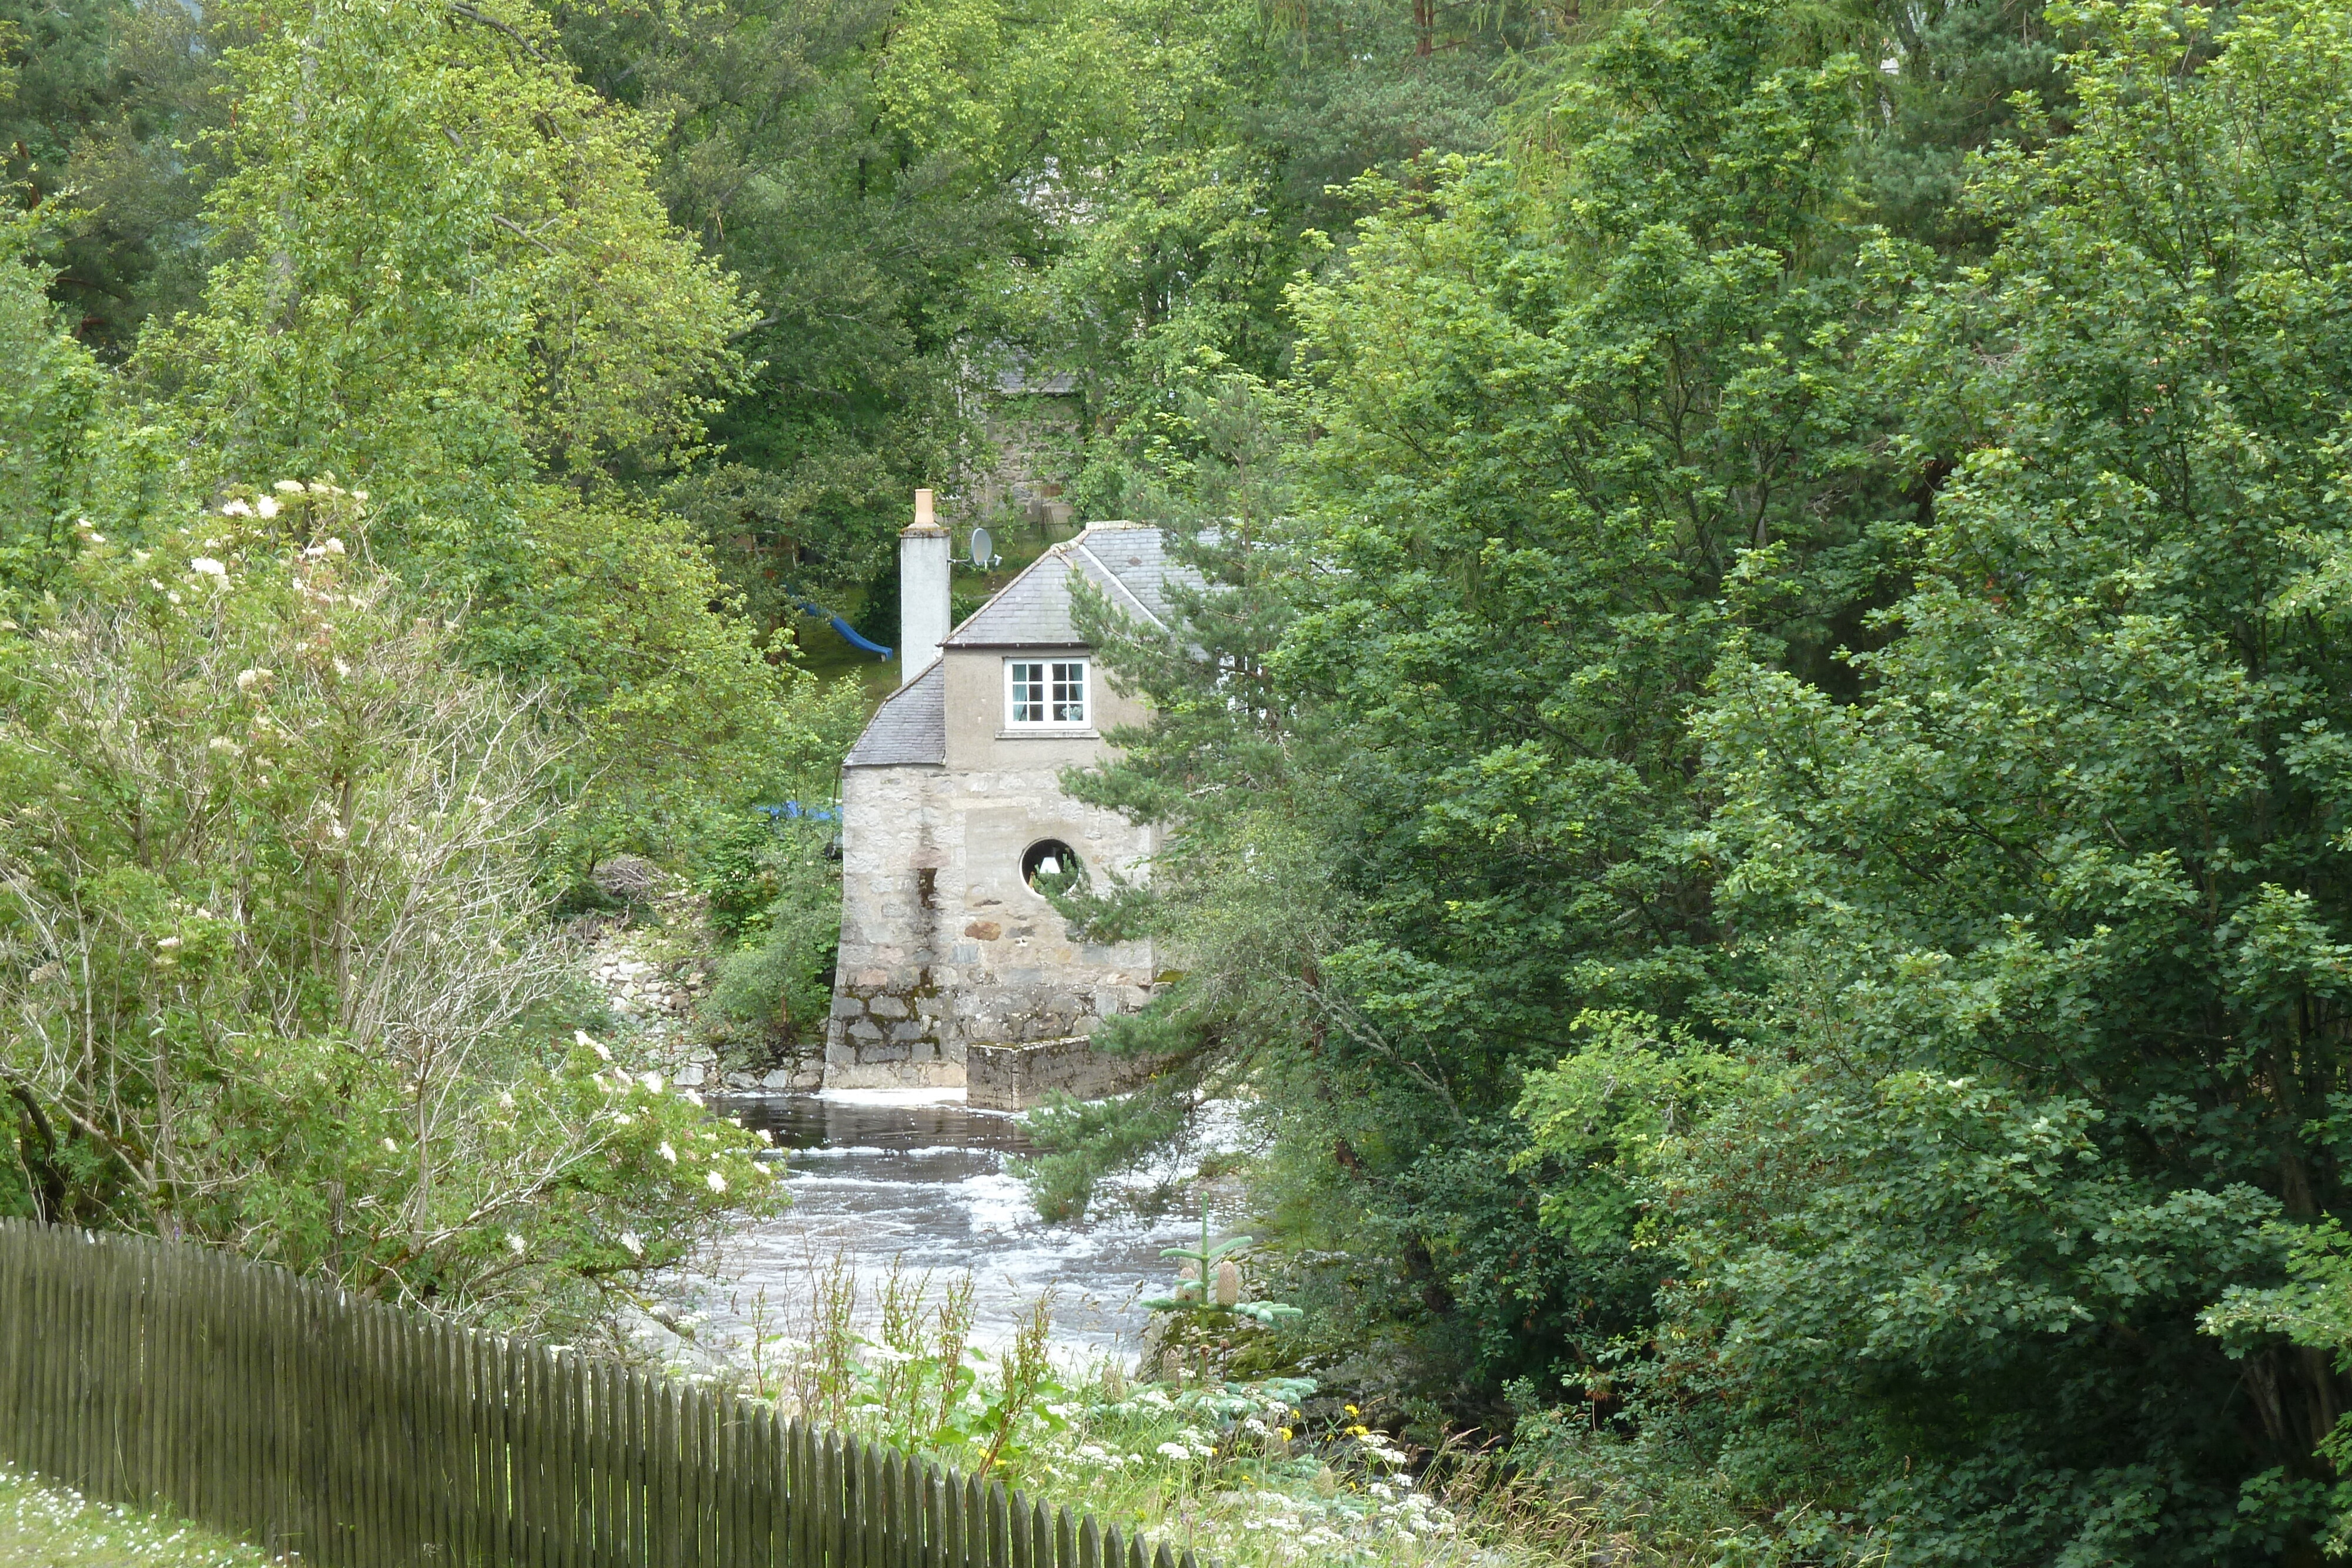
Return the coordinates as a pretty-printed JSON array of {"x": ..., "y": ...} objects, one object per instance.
[{"x": 1051, "y": 864}]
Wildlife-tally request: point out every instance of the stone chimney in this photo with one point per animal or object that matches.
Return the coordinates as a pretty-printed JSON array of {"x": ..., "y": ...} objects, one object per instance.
[{"x": 924, "y": 559}]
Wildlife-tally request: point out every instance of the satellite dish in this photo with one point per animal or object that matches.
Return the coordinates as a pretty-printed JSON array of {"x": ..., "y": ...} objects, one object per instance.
[{"x": 983, "y": 549}]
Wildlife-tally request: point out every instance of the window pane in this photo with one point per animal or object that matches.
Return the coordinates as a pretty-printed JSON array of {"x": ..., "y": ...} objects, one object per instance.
[
  {"x": 1028, "y": 694},
  {"x": 1070, "y": 694}
]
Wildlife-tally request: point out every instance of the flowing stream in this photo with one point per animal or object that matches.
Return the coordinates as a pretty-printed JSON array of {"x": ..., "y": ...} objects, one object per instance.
[{"x": 920, "y": 1177}]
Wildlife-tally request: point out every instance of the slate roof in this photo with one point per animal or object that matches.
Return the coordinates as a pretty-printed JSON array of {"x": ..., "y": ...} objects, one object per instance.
[
  {"x": 1125, "y": 562},
  {"x": 911, "y": 728}
]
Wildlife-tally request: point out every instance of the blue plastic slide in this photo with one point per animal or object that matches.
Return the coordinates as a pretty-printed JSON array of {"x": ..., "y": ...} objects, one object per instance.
[{"x": 848, "y": 633}]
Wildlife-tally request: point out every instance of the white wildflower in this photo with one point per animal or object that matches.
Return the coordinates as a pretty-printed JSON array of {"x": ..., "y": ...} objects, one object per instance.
[
  {"x": 516, "y": 1244},
  {"x": 667, "y": 1153},
  {"x": 206, "y": 565},
  {"x": 287, "y": 486},
  {"x": 1176, "y": 1451},
  {"x": 236, "y": 509},
  {"x": 632, "y": 1245},
  {"x": 248, "y": 679},
  {"x": 716, "y": 1181},
  {"x": 390, "y": 1148},
  {"x": 342, "y": 671},
  {"x": 359, "y": 495},
  {"x": 652, "y": 1083},
  {"x": 506, "y": 1100},
  {"x": 623, "y": 1119},
  {"x": 335, "y": 546},
  {"x": 168, "y": 943},
  {"x": 223, "y": 743},
  {"x": 266, "y": 506},
  {"x": 580, "y": 1036}
]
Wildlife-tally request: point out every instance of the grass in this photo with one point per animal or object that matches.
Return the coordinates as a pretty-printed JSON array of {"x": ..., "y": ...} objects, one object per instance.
[{"x": 42, "y": 1526}]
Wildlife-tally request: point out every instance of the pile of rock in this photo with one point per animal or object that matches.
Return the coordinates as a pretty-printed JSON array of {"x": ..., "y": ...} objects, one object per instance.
[
  {"x": 654, "y": 995},
  {"x": 638, "y": 988}
]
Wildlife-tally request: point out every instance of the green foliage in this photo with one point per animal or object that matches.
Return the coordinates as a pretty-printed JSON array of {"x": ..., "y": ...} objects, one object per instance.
[
  {"x": 2313, "y": 1311},
  {"x": 1431, "y": 785},
  {"x": 442, "y": 276},
  {"x": 776, "y": 887},
  {"x": 46, "y": 407},
  {"x": 736, "y": 875},
  {"x": 1598, "y": 1118},
  {"x": 464, "y": 278},
  {"x": 2052, "y": 916},
  {"x": 680, "y": 707},
  {"x": 1082, "y": 1143},
  {"x": 1757, "y": 805},
  {"x": 270, "y": 951},
  {"x": 70, "y": 451},
  {"x": 103, "y": 106}
]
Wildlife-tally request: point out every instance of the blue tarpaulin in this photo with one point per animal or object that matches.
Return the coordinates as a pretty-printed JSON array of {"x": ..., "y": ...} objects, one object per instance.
[{"x": 788, "y": 809}]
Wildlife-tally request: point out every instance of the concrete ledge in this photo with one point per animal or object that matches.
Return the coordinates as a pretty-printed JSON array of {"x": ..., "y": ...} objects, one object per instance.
[
  {"x": 1015, "y": 1077},
  {"x": 894, "y": 1075}
]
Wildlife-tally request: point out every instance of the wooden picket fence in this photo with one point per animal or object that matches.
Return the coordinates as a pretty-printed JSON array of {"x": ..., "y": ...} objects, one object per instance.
[{"x": 359, "y": 1436}]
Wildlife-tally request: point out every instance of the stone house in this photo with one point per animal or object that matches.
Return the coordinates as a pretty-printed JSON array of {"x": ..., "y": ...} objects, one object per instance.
[{"x": 951, "y": 807}]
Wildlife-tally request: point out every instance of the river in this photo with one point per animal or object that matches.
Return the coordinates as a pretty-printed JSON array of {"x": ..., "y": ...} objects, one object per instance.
[{"x": 920, "y": 1177}]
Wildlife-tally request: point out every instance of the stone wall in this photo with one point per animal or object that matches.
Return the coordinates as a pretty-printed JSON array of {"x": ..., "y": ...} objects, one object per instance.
[
  {"x": 1015, "y": 1077},
  {"x": 943, "y": 945}
]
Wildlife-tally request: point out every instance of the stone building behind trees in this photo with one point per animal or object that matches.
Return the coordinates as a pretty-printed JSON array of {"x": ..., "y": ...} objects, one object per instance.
[{"x": 952, "y": 811}]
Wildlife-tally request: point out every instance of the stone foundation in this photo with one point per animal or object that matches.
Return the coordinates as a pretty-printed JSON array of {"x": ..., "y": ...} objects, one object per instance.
[
  {"x": 1015, "y": 1077},
  {"x": 944, "y": 946}
]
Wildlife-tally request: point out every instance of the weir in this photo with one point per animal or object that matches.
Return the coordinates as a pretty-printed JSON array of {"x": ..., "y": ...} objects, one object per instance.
[{"x": 923, "y": 1179}]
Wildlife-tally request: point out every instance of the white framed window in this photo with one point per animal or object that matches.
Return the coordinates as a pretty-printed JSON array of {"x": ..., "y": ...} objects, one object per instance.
[{"x": 1044, "y": 694}]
